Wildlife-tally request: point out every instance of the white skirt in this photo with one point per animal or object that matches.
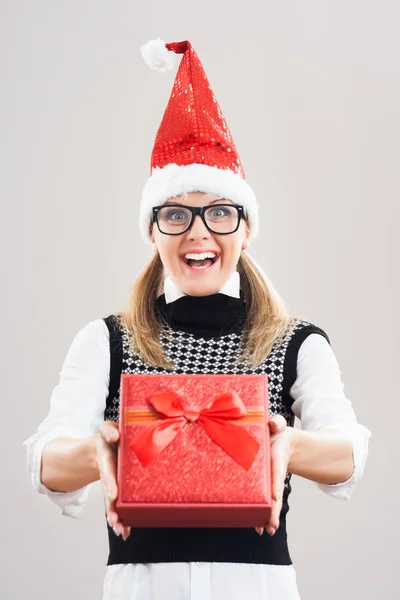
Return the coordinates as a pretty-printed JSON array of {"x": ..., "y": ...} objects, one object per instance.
[{"x": 200, "y": 581}]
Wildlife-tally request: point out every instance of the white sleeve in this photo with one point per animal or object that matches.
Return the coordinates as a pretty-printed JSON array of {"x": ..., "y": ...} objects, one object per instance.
[
  {"x": 77, "y": 407},
  {"x": 320, "y": 402}
]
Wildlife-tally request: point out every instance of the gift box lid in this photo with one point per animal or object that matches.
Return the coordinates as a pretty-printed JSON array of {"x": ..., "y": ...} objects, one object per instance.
[{"x": 193, "y": 467}]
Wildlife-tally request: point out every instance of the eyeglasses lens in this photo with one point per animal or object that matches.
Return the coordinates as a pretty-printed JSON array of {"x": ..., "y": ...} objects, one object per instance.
[{"x": 176, "y": 219}]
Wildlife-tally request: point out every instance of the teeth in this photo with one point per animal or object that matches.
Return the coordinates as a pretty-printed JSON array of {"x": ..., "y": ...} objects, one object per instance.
[{"x": 200, "y": 255}]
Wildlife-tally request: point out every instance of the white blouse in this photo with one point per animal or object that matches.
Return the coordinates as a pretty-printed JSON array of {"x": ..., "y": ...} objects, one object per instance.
[{"x": 77, "y": 407}]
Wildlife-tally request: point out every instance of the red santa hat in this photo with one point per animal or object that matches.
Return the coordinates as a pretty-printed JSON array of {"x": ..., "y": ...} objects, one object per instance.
[{"x": 193, "y": 149}]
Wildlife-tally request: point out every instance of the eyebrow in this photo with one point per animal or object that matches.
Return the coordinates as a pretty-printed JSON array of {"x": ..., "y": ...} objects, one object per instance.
[
  {"x": 217, "y": 200},
  {"x": 221, "y": 201}
]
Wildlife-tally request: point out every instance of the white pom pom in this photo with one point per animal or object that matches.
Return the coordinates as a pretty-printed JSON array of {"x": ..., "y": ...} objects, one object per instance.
[{"x": 157, "y": 56}]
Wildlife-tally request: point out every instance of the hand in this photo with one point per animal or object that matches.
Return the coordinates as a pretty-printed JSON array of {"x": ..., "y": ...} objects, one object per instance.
[
  {"x": 281, "y": 452},
  {"x": 106, "y": 452}
]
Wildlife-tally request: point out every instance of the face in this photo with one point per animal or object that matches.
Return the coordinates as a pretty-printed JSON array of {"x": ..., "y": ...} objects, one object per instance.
[{"x": 205, "y": 277}]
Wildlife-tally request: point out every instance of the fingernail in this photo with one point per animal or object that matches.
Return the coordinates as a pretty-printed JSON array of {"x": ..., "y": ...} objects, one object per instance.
[
  {"x": 115, "y": 530},
  {"x": 110, "y": 495},
  {"x": 271, "y": 530},
  {"x": 124, "y": 538}
]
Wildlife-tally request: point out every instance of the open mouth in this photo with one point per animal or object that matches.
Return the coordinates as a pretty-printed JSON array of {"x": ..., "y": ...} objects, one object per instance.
[{"x": 201, "y": 260}]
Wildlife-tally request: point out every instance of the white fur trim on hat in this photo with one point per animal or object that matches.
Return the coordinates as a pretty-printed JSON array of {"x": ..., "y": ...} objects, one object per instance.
[{"x": 174, "y": 180}]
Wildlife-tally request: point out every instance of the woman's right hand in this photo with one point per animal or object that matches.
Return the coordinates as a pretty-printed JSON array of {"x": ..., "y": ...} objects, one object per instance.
[{"x": 107, "y": 440}]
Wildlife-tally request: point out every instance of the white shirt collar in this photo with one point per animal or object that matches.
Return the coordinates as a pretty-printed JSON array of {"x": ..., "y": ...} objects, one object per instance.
[{"x": 230, "y": 288}]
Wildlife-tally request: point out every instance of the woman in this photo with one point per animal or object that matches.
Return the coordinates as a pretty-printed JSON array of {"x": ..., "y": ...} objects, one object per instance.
[{"x": 201, "y": 305}]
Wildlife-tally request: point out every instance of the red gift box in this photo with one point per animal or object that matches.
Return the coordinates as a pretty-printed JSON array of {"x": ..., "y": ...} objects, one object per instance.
[{"x": 194, "y": 451}]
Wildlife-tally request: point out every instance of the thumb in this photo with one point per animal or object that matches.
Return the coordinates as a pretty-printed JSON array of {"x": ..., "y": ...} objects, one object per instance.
[
  {"x": 277, "y": 423},
  {"x": 109, "y": 431}
]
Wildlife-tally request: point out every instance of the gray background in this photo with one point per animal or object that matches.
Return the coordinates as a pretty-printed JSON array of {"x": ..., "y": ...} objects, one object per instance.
[{"x": 311, "y": 93}]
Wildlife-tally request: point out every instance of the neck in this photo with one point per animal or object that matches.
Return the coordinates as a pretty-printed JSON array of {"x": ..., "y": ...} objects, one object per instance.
[
  {"x": 205, "y": 316},
  {"x": 231, "y": 288}
]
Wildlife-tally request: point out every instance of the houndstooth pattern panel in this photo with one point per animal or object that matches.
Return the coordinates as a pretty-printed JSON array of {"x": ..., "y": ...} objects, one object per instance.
[{"x": 192, "y": 354}]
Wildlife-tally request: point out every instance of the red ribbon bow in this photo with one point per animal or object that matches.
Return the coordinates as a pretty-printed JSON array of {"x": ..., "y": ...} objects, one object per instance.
[{"x": 213, "y": 418}]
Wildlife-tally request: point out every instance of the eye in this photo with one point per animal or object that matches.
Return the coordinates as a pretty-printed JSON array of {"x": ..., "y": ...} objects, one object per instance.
[
  {"x": 219, "y": 212},
  {"x": 176, "y": 215}
]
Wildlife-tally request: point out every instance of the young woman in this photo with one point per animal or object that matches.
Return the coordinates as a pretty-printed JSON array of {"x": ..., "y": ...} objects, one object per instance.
[{"x": 201, "y": 305}]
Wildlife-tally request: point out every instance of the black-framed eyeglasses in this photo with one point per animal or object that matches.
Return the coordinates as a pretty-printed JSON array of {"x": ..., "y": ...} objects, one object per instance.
[{"x": 175, "y": 219}]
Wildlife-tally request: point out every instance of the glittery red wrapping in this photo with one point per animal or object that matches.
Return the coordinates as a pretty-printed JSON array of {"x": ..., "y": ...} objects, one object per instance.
[
  {"x": 193, "y": 128},
  {"x": 194, "y": 482}
]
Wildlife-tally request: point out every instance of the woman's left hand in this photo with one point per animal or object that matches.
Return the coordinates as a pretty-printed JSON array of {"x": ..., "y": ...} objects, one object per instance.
[{"x": 281, "y": 453}]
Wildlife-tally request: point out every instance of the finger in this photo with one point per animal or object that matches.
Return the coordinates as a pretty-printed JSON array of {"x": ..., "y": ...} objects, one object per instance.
[
  {"x": 111, "y": 510},
  {"x": 260, "y": 530},
  {"x": 277, "y": 423},
  {"x": 277, "y": 500},
  {"x": 112, "y": 516},
  {"x": 273, "y": 522},
  {"x": 107, "y": 470},
  {"x": 114, "y": 522},
  {"x": 277, "y": 475},
  {"x": 107, "y": 464},
  {"x": 277, "y": 496},
  {"x": 118, "y": 527},
  {"x": 109, "y": 430},
  {"x": 120, "y": 530}
]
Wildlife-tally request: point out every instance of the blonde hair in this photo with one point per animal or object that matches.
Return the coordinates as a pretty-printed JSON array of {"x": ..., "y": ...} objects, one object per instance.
[{"x": 267, "y": 320}]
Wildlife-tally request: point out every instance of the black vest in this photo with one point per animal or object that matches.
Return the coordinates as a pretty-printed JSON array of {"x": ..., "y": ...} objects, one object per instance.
[{"x": 205, "y": 352}]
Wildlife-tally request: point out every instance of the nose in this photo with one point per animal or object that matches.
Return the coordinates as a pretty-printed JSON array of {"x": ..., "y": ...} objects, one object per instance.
[{"x": 198, "y": 230}]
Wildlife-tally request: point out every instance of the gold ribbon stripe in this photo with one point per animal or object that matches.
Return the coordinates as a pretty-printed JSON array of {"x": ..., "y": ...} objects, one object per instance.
[{"x": 145, "y": 416}]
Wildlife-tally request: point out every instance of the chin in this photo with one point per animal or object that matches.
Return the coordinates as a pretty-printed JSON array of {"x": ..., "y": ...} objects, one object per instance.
[{"x": 200, "y": 290}]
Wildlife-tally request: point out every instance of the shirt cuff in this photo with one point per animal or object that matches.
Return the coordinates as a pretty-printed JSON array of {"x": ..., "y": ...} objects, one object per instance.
[
  {"x": 71, "y": 503},
  {"x": 359, "y": 437}
]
